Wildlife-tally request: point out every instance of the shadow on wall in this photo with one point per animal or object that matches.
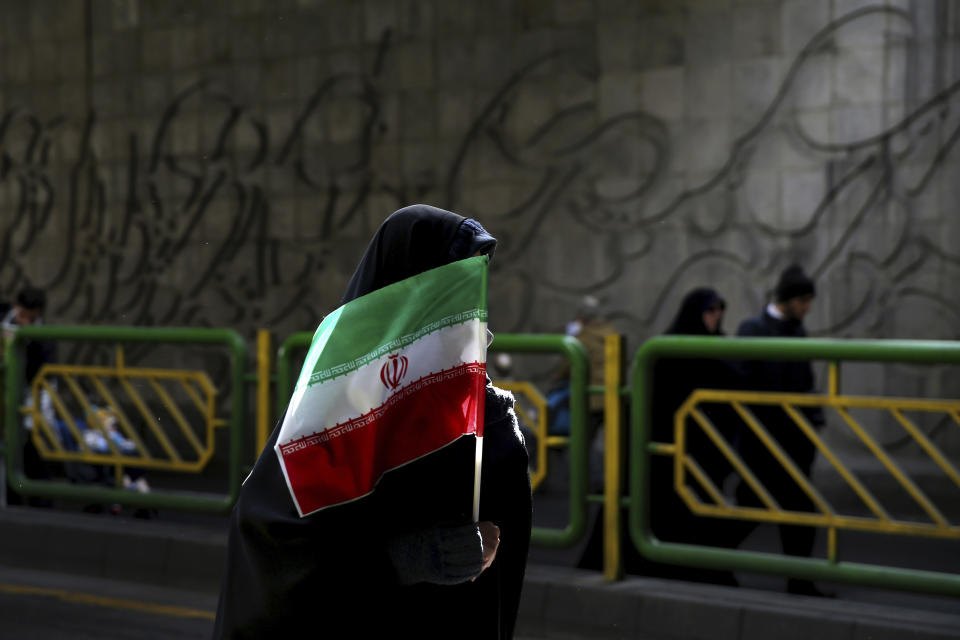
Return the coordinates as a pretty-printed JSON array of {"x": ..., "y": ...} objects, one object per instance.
[{"x": 220, "y": 213}]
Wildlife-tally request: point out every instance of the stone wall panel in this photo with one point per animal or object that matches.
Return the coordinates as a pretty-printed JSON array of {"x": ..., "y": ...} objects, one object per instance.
[{"x": 226, "y": 162}]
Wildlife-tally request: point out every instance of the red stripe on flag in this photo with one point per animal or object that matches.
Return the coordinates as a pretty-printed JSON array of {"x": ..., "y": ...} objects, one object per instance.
[{"x": 346, "y": 461}]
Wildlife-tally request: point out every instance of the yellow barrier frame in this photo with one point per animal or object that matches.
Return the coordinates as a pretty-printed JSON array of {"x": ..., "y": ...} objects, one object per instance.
[
  {"x": 939, "y": 527},
  {"x": 539, "y": 425},
  {"x": 196, "y": 385}
]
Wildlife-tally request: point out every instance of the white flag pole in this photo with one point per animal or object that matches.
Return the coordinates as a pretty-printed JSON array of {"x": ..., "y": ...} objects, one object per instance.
[{"x": 476, "y": 480}]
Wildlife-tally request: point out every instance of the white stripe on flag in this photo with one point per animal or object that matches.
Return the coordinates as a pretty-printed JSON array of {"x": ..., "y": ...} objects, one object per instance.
[{"x": 313, "y": 409}]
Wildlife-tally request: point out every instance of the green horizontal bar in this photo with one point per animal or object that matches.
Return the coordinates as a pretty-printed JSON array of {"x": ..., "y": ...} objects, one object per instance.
[
  {"x": 599, "y": 498},
  {"x": 131, "y": 334},
  {"x": 166, "y": 335},
  {"x": 913, "y": 351},
  {"x": 576, "y": 355},
  {"x": 809, "y": 568},
  {"x": 219, "y": 505},
  {"x": 600, "y": 389}
]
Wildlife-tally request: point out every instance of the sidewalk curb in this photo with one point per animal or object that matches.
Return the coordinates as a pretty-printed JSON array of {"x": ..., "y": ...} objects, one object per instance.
[
  {"x": 570, "y": 603},
  {"x": 165, "y": 554},
  {"x": 558, "y": 602}
]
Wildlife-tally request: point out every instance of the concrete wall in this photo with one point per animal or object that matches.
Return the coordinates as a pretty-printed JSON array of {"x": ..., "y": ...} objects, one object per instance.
[{"x": 224, "y": 163}]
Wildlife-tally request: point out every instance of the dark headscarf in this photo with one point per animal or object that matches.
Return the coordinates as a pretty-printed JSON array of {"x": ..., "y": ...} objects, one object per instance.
[
  {"x": 794, "y": 283},
  {"x": 689, "y": 319},
  {"x": 413, "y": 240}
]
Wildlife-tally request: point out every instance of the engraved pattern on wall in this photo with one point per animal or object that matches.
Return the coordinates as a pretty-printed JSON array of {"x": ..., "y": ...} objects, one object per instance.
[{"x": 231, "y": 176}]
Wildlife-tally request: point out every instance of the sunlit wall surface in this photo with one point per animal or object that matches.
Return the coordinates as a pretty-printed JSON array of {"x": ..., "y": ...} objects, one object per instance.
[{"x": 225, "y": 163}]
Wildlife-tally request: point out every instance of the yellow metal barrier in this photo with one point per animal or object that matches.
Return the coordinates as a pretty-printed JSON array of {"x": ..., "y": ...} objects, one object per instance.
[
  {"x": 537, "y": 423},
  {"x": 612, "y": 508},
  {"x": 190, "y": 456},
  {"x": 613, "y": 356},
  {"x": 263, "y": 390},
  {"x": 881, "y": 522}
]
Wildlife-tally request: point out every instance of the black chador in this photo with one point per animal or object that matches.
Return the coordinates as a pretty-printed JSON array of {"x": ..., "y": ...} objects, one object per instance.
[{"x": 337, "y": 573}]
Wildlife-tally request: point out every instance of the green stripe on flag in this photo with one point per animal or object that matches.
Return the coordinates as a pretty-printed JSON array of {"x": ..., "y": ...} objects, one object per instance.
[{"x": 395, "y": 316}]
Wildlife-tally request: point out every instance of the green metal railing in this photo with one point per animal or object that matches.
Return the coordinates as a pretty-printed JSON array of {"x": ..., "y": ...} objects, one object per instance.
[
  {"x": 579, "y": 363},
  {"x": 562, "y": 345},
  {"x": 296, "y": 343},
  {"x": 3, "y": 413},
  {"x": 156, "y": 499},
  {"x": 771, "y": 349},
  {"x": 831, "y": 351}
]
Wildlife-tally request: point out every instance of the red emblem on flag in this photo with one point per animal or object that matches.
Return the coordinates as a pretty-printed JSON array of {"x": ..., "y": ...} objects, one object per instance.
[{"x": 392, "y": 373}]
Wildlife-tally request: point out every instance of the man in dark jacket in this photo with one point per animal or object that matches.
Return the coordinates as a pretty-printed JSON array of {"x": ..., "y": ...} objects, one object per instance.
[
  {"x": 783, "y": 318},
  {"x": 28, "y": 310}
]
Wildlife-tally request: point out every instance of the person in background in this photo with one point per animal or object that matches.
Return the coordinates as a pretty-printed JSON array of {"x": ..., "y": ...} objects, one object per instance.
[
  {"x": 27, "y": 310},
  {"x": 591, "y": 328},
  {"x": 783, "y": 318},
  {"x": 700, "y": 314},
  {"x": 674, "y": 379}
]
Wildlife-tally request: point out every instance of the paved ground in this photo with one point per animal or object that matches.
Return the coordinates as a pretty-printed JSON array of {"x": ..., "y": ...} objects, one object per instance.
[
  {"x": 558, "y": 602},
  {"x": 36, "y": 605},
  {"x": 50, "y": 606},
  {"x": 929, "y": 555},
  {"x": 72, "y": 576}
]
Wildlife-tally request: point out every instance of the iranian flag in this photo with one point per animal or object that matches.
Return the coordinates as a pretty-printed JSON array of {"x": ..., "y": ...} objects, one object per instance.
[{"x": 389, "y": 377}]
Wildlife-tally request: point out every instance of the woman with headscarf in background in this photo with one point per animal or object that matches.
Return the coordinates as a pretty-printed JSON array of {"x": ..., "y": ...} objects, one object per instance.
[
  {"x": 406, "y": 560},
  {"x": 674, "y": 379}
]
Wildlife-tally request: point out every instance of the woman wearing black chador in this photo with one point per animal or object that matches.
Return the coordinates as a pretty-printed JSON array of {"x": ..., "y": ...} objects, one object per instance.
[
  {"x": 406, "y": 560},
  {"x": 700, "y": 314}
]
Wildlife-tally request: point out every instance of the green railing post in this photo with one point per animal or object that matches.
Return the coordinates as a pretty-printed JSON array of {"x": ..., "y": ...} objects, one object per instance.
[
  {"x": 157, "y": 499},
  {"x": 11, "y": 392},
  {"x": 3, "y": 412},
  {"x": 294, "y": 343},
  {"x": 777, "y": 349},
  {"x": 576, "y": 355}
]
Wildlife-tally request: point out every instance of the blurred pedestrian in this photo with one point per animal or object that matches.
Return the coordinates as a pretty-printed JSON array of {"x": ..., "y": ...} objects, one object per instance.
[
  {"x": 27, "y": 310},
  {"x": 783, "y": 318},
  {"x": 591, "y": 328},
  {"x": 674, "y": 379}
]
